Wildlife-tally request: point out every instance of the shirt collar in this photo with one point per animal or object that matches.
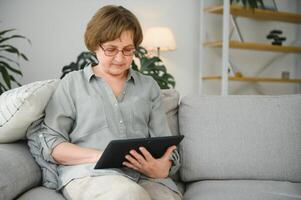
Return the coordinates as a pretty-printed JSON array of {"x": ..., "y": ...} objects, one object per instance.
[
  {"x": 132, "y": 75},
  {"x": 88, "y": 72}
]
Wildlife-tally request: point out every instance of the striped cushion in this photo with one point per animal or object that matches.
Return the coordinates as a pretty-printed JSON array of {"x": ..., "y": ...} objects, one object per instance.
[{"x": 21, "y": 106}]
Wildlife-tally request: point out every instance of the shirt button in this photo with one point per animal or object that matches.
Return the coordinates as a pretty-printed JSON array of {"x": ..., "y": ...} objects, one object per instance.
[
  {"x": 123, "y": 92},
  {"x": 120, "y": 121},
  {"x": 115, "y": 104}
]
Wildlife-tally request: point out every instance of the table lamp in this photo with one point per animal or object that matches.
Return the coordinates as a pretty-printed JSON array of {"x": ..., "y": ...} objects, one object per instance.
[{"x": 159, "y": 39}]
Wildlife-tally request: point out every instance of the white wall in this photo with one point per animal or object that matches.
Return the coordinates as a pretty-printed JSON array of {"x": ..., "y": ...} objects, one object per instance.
[
  {"x": 252, "y": 63},
  {"x": 56, "y": 30}
]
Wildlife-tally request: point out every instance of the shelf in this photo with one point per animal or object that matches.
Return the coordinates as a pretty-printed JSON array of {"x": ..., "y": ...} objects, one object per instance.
[
  {"x": 255, "y": 46},
  {"x": 254, "y": 79},
  {"x": 260, "y": 14}
]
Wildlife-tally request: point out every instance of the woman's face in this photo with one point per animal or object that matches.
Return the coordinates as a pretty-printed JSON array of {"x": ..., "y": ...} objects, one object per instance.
[{"x": 116, "y": 64}]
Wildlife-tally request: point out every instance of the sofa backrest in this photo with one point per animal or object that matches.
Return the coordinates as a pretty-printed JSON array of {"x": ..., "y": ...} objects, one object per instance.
[{"x": 241, "y": 137}]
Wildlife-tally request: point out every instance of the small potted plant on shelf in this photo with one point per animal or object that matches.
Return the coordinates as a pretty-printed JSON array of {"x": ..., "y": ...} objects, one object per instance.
[{"x": 250, "y": 3}]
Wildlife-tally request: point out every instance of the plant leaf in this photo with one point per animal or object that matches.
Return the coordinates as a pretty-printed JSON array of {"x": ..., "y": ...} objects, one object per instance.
[
  {"x": 14, "y": 36},
  {"x": 10, "y": 48},
  {"x": 6, "y": 65},
  {"x": 13, "y": 50},
  {"x": 6, "y": 77},
  {"x": 2, "y": 88},
  {"x": 24, "y": 57},
  {"x": 6, "y": 31},
  {"x": 13, "y": 79},
  {"x": 134, "y": 66},
  {"x": 10, "y": 60}
]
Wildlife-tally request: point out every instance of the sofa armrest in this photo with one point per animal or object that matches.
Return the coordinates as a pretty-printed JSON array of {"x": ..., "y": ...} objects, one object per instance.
[{"x": 18, "y": 170}]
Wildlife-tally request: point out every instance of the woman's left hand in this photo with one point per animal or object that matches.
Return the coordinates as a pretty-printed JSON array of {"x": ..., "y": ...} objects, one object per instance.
[{"x": 148, "y": 165}]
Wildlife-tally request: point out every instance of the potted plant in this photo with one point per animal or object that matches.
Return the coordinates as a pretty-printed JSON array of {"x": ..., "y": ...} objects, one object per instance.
[
  {"x": 148, "y": 65},
  {"x": 250, "y": 3},
  {"x": 9, "y": 60}
]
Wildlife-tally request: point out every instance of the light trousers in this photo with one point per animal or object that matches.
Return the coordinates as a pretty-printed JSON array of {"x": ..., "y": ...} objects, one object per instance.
[{"x": 115, "y": 187}]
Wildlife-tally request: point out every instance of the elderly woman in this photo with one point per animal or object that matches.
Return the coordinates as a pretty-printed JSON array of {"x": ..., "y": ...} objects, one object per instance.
[{"x": 104, "y": 102}]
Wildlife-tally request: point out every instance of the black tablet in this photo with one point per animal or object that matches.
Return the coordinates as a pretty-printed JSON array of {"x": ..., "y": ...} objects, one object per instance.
[{"x": 115, "y": 152}]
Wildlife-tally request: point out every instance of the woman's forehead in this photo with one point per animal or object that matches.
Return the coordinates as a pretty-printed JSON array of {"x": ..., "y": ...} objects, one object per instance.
[{"x": 125, "y": 39}]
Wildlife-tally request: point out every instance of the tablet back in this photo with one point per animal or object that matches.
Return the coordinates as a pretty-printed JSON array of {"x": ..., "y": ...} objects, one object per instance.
[{"x": 115, "y": 152}]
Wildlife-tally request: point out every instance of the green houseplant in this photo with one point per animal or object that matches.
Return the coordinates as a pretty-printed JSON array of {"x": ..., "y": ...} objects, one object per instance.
[
  {"x": 10, "y": 58},
  {"x": 250, "y": 3},
  {"x": 149, "y": 65}
]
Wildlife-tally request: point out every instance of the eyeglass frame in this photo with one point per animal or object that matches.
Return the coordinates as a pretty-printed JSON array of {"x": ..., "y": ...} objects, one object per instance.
[{"x": 118, "y": 50}]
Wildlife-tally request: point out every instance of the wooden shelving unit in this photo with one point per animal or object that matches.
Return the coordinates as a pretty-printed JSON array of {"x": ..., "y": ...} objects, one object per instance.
[
  {"x": 258, "y": 14},
  {"x": 255, "y": 46},
  {"x": 254, "y": 79}
]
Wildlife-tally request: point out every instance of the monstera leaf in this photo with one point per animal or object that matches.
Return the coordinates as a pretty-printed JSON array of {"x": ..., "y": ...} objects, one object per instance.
[
  {"x": 147, "y": 64},
  {"x": 82, "y": 61},
  {"x": 153, "y": 66}
]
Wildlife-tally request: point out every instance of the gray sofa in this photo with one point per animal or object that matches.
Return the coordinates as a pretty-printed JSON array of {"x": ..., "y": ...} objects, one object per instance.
[{"x": 235, "y": 147}]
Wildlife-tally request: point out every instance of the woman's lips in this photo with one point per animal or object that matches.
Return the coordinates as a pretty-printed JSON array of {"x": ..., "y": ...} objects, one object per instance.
[{"x": 118, "y": 65}]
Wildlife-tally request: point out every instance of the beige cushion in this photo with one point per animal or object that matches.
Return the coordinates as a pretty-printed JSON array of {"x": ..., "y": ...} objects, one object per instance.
[{"x": 21, "y": 106}]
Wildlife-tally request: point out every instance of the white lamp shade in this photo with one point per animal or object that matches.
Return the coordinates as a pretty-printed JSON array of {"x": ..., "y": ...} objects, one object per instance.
[{"x": 159, "y": 37}]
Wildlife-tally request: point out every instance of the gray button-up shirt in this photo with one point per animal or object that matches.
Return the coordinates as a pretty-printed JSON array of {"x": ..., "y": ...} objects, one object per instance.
[{"x": 84, "y": 111}]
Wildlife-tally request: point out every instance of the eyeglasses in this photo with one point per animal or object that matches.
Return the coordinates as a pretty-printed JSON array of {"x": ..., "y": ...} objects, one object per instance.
[{"x": 112, "y": 51}]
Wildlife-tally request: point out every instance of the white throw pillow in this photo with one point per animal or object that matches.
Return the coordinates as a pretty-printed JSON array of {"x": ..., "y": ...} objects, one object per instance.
[{"x": 21, "y": 106}]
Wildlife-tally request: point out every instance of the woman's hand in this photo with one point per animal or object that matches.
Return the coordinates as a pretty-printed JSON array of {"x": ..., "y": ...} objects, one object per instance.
[{"x": 148, "y": 165}]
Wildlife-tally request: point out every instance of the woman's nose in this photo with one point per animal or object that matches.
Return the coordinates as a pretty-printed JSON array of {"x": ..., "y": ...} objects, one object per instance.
[{"x": 119, "y": 56}]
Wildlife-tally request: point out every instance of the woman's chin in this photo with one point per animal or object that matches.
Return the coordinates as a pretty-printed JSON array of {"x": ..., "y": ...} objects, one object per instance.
[{"x": 117, "y": 72}]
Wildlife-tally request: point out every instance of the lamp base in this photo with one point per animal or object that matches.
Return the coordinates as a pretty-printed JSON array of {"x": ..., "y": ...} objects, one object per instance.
[{"x": 158, "y": 52}]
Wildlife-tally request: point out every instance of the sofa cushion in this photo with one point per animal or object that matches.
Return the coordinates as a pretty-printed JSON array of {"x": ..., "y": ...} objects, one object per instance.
[
  {"x": 243, "y": 190},
  {"x": 39, "y": 193},
  {"x": 241, "y": 137},
  {"x": 21, "y": 106},
  {"x": 18, "y": 170}
]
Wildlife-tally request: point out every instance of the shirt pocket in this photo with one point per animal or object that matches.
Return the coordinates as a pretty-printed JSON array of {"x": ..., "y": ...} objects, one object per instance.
[
  {"x": 90, "y": 117},
  {"x": 141, "y": 109}
]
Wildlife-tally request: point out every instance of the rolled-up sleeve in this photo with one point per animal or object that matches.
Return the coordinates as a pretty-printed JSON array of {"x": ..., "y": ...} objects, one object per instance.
[
  {"x": 59, "y": 119},
  {"x": 158, "y": 125}
]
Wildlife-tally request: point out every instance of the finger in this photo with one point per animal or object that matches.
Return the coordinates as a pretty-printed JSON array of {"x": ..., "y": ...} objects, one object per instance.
[
  {"x": 138, "y": 157},
  {"x": 133, "y": 161},
  {"x": 169, "y": 151},
  {"x": 129, "y": 165},
  {"x": 147, "y": 155}
]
